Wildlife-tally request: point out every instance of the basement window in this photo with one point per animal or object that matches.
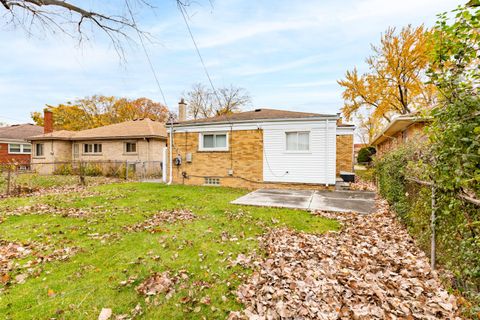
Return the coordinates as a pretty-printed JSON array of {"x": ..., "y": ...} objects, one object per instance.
[{"x": 212, "y": 181}]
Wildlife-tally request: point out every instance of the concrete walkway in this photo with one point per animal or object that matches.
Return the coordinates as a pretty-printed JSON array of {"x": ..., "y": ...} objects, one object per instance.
[{"x": 337, "y": 201}]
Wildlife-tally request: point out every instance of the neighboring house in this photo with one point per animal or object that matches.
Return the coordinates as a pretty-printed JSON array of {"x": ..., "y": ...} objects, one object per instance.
[
  {"x": 262, "y": 148},
  {"x": 402, "y": 129},
  {"x": 14, "y": 147},
  {"x": 133, "y": 141}
]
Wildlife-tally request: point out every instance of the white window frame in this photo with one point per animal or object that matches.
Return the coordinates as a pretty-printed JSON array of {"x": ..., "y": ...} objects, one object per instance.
[
  {"x": 22, "y": 151},
  {"x": 93, "y": 149},
  {"x": 202, "y": 148},
  {"x": 130, "y": 152},
  {"x": 298, "y": 151},
  {"x": 35, "y": 150}
]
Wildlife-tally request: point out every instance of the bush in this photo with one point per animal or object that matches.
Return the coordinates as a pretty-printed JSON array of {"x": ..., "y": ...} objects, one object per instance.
[
  {"x": 92, "y": 170},
  {"x": 63, "y": 170},
  {"x": 365, "y": 154}
]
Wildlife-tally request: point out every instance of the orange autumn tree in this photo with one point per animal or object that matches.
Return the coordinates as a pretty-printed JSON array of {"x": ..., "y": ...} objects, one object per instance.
[
  {"x": 395, "y": 81},
  {"x": 96, "y": 111}
]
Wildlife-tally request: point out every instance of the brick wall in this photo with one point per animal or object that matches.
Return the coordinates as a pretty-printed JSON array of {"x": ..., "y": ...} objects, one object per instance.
[
  {"x": 245, "y": 157},
  {"x": 344, "y": 153},
  {"x": 414, "y": 132},
  {"x": 5, "y": 157}
]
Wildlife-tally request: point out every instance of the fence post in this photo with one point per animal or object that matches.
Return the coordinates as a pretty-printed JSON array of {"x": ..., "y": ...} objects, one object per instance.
[
  {"x": 126, "y": 170},
  {"x": 80, "y": 172},
  {"x": 9, "y": 176},
  {"x": 432, "y": 226}
]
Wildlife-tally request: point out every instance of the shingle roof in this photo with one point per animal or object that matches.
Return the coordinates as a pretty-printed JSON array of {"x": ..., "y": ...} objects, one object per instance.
[
  {"x": 143, "y": 128},
  {"x": 257, "y": 114},
  {"x": 20, "y": 131}
]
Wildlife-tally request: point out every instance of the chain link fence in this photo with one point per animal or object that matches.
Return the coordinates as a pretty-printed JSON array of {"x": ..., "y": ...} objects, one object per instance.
[{"x": 21, "y": 179}]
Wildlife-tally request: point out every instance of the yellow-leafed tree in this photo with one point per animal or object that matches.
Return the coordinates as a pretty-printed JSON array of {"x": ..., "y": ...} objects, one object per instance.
[
  {"x": 96, "y": 111},
  {"x": 395, "y": 81}
]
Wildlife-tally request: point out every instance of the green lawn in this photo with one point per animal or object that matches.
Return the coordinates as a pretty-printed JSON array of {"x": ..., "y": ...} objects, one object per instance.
[{"x": 80, "y": 287}]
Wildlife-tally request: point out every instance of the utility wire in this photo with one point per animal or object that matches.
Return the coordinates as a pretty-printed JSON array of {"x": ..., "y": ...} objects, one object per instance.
[
  {"x": 183, "y": 11},
  {"x": 146, "y": 54}
]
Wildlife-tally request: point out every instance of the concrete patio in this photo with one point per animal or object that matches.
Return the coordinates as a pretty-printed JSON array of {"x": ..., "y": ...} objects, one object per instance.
[{"x": 337, "y": 201}]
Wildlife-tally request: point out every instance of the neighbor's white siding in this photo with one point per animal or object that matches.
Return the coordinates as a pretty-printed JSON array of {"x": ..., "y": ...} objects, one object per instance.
[{"x": 315, "y": 166}]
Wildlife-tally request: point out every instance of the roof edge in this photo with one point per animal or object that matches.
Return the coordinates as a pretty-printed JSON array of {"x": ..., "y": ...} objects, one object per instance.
[
  {"x": 412, "y": 119},
  {"x": 195, "y": 124}
]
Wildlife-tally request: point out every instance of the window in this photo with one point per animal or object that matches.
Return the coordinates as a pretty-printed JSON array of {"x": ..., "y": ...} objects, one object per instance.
[
  {"x": 19, "y": 148},
  {"x": 212, "y": 181},
  {"x": 214, "y": 142},
  {"x": 92, "y": 148},
  {"x": 298, "y": 141},
  {"x": 39, "y": 149},
  {"x": 130, "y": 147}
]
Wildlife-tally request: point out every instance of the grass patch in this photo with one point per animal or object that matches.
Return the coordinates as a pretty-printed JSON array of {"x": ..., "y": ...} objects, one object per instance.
[{"x": 81, "y": 286}]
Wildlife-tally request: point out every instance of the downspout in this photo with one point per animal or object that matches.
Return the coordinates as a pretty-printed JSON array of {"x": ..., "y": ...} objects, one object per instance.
[{"x": 171, "y": 153}]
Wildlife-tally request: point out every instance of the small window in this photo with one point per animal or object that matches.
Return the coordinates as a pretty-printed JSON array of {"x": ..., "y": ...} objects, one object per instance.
[
  {"x": 39, "y": 149},
  {"x": 214, "y": 141},
  {"x": 298, "y": 141},
  {"x": 130, "y": 147},
  {"x": 27, "y": 148},
  {"x": 212, "y": 181},
  {"x": 92, "y": 148},
  {"x": 14, "y": 148}
]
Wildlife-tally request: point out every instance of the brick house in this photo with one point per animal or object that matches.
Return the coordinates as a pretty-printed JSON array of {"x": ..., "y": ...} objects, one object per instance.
[
  {"x": 402, "y": 129},
  {"x": 262, "y": 148},
  {"x": 14, "y": 147},
  {"x": 136, "y": 141}
]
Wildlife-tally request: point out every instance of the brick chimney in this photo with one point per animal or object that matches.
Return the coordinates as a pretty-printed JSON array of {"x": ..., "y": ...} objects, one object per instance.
[
  {"x": 182, "y": 110},
  {"x": 47, "y": 121}
]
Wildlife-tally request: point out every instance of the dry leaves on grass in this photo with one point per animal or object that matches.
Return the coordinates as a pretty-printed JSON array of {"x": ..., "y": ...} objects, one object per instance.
[
  {"x": 361, "y": 185},
  {"x": 371, "y": 269},
  {"x": 158, "y": 220},
  {"x": 40, "y": 208},
  {"x": 161, "y": 283},
  {"x": 12, "y": 271},
  {"x": 26, "y": 191}
]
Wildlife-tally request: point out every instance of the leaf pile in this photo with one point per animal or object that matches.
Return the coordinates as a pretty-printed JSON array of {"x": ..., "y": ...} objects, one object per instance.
[
  {"x": 154, "y": 223},
  {"x": 162, "y": 283},
  {"x": 361, "y": 185},
  {"x": 370, "y": 270}
]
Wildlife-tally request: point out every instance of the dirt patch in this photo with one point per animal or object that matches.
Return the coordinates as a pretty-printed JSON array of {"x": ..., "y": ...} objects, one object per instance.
[
  {"x": 371, "y": 269},
  {"x": 157, "y": 221}
]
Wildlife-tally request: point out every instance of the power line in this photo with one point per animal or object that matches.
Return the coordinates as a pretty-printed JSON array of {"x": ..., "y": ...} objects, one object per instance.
[
  {"x": 146, "y": 54},
  {"x": 183, "y": 11}
]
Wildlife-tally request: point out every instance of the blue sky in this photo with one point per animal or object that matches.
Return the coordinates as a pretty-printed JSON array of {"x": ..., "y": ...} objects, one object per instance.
[{"x": 287, "y": 54}]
